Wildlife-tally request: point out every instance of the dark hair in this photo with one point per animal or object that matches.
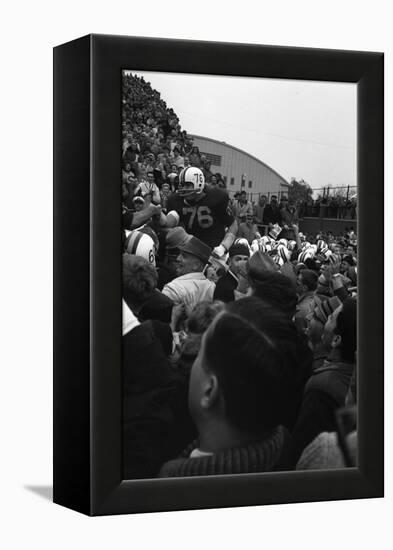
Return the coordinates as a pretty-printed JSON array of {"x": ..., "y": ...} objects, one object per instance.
[
  {"x": 139, "y": 279},
  {"x": 311, "y": 264},
  {"x": 277, "y": 290},
  {"x": 262, "y": 364},
  {"x": 309, "y": 279},
  {"x": 346, "y": 328},
  {"x": 349, "y": 260}
]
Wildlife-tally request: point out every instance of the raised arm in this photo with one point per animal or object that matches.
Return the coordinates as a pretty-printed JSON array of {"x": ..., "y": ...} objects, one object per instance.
[
  {"x": 227, "y": 241},
  {"x": 171, "y": 219},
  {"x": 143, "y": 216}
]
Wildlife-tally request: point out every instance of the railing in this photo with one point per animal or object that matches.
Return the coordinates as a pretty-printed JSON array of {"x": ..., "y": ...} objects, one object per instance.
[
  {"x": 328, "y": 202},
  {"x": 347, "y": 192}
]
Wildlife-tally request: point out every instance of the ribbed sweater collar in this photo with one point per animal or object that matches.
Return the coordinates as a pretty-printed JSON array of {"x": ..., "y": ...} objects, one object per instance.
[{"x": 263, "y": 456}]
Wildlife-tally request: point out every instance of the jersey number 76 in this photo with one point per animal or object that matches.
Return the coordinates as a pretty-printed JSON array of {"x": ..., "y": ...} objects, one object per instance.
[{"x": 202, "y": 214}]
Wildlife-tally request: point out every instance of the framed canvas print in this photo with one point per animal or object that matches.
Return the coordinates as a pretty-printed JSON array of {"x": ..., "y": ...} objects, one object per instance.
[{"x": 218, "y": 337}]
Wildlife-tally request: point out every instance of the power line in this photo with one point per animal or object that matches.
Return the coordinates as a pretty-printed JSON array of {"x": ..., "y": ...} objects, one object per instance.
[{"x": 280, "y": 136}]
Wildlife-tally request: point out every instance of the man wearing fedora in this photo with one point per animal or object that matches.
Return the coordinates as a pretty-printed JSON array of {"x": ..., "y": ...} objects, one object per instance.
[{"x": 192, "y": 286}]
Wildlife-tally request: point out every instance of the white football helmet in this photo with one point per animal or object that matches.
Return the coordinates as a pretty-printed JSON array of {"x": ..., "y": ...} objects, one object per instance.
[
  {"x": 308, "y": 253},
  {"x": 278, "y": 260},
  {"x": 141, "y": 244},
  {"x": 191, "y": 182},
  {"x": 284, "y": 253},
  {"x": 291, "y": 245}
]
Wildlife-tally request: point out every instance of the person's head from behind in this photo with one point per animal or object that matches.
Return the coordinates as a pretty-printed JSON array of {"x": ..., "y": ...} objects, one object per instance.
[
  {"x": 306, "y": 281},
  {"x": 275, "y": 289},
  {"x": 139, "y": 280},
  {"x": 197, "y": 323},
  {"x": 250, "y": 373},
  {"x": 313, "y": 264},
  {"x": 340, "y": 331},
  {"x": 318, "y": 317},
  {"x": 202, "y": 316}
]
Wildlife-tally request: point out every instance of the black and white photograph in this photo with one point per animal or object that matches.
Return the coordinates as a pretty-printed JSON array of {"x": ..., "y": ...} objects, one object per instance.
[
  {"x": 195, "y": 212},
  {"x": 239, "y": 275}
]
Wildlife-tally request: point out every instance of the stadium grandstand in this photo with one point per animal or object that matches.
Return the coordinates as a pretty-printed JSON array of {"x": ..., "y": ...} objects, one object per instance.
[
  {"x": 240, "y": 170},
  {"x": 154, "y": 141}
]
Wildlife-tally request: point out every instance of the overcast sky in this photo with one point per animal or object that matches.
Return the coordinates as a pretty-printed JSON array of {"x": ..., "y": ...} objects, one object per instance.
[{"x": 301, "y": 129}]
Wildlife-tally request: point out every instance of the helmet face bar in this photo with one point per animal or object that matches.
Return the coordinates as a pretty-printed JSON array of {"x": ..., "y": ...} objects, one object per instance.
[{"x": 191, "y": 181}]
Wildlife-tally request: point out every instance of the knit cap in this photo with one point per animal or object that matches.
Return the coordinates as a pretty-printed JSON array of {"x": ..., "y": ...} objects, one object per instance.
[{"x": 239, "y": 249}]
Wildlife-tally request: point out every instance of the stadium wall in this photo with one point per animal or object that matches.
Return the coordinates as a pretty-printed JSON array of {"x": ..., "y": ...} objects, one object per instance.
[
  {"x": 312, "y": 226},
  {"x": 241, "y": 170}
]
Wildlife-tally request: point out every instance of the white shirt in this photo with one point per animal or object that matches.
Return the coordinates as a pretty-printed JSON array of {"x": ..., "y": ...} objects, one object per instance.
[{"x": 190, "y": 289}]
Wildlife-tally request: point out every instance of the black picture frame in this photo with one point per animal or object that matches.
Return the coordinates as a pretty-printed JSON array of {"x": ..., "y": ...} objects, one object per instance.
[{"x": 87, "y": 274}]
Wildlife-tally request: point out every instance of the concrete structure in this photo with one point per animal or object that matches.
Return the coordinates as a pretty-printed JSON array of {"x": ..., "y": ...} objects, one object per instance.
[
  {"x": 312, "y": 226},
  {"x": 240, "y": 170}
]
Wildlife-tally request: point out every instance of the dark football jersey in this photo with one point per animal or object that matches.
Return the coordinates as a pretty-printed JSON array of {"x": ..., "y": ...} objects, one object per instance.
[{"x": 208, "y": 218}]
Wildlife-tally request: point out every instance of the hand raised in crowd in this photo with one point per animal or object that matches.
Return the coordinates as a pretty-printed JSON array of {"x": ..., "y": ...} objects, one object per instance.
[
  {"x": 243, "y": 283},
  {"x": 178, "y": 314},
  {"x": 332, "y": 270},
  {"x": 219, "y": 251}
]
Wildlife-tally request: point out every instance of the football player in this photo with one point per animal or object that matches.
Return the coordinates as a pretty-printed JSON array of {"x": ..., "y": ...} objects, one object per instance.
[{"x": 204, "y": 212}]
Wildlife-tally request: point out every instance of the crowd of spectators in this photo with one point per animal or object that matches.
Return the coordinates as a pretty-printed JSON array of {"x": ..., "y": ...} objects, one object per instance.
[
  {"x": 333, "y": 206},
  {"x": 232, "y": 364},
  {"x": 330, "y": 206},
  {"x": 154, "y": 147},
  {"x": 299, "y": 297}
]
